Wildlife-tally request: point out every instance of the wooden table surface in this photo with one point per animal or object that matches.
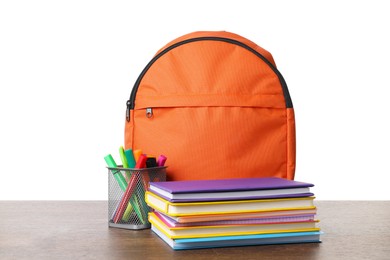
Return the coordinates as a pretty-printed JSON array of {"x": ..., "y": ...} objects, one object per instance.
[{"x": 79, "y": 230}]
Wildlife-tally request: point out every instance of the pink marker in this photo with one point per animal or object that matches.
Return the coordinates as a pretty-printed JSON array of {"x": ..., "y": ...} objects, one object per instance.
[
  {"x": 161, "y": 160},
  {"x": 125, "y": 198}
]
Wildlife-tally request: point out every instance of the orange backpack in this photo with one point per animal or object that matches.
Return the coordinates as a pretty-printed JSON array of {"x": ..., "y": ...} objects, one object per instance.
[{"x": 216, "y": 106}]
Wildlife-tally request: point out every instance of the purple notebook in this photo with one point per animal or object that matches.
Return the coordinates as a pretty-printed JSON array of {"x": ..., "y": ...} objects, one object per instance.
[{"x": 230, "y": 189}]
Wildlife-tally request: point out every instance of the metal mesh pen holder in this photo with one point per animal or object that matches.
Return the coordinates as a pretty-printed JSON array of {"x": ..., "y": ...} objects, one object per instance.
[{"x": 126, "y": 196}]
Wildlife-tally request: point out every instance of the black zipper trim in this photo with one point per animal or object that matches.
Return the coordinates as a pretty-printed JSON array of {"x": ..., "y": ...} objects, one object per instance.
[{"x": 131, "y": 102}]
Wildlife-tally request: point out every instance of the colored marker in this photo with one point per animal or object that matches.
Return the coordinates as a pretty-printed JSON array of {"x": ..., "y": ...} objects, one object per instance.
[
  {"x": 141, "y": 162},
  {"x": 126, "y": 215},
  {"x": 151, "y": 162},
  {"x": 130, "y": 158},
  {"x": 140, "y": 197},
  {"x": 124, "y": 162},
  {"x": 125, "y": 198},
  {"x": 136, "y": 197},
  {"x": 137, "y": 154},
  {"x": 144, "y": 177},
  {"x": 123, "y": 157},
  {"x": 117, "y": 174},
  {"x": 161, "y": 160}
]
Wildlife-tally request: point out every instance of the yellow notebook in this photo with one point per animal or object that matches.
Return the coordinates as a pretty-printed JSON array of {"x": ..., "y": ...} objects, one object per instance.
[
  {"x": 230, "y": 230},
  {"x": 222, "y": 207}
]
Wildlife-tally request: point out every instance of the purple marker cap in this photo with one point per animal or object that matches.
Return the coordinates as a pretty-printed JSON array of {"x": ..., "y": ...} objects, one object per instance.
[{"x": 161, "y": 160}]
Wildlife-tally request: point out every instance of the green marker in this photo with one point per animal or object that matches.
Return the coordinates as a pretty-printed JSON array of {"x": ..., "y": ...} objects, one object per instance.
[
  {"x": 123, "y": 157},
  {"x": 117, "y": 174},
  {"x": 124, "y": 161},
  {"x": 130, "y": 158},
  {"x": 138, "y": 208},
  {"x": 127, "y": 214}
]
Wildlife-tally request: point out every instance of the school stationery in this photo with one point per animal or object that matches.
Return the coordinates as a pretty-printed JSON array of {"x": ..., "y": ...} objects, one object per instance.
[
  {"x": 130, "y": 158},
  {"x": 126, "y": 206},
  {"x": 170, "y": 222},
  {"x": 134, "y": 201},
  {"x": 231, "y": 230},
  {"x": 137, "y": 154},
  {"x": 243, "y": 240},
  {"x": 242, "y": 215},
  {"x": 219, "y": 207},
  {"x": 124, "y": 161},
  {"x": 141, "y": 162},
  {"x": 151, "y": 162},
  {"x": 123, "y": 157},
  {"x": 230, "y": 189},
  {"x": 161, "y": 160},
  {"x": 117, "y": 174},
  {"x": 125, "y": 198}
]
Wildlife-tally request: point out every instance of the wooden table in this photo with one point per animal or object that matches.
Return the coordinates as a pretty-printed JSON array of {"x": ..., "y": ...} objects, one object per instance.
[{"x": 78, "y": 230}]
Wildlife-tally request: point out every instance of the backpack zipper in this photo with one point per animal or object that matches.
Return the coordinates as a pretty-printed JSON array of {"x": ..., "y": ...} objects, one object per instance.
[
  {"x": 131, "y": 102},
  {"x": 149, "y": 112}
]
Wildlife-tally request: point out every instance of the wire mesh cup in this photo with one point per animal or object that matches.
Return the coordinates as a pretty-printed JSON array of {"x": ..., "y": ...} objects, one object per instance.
[{"x": 126, "y": 200}]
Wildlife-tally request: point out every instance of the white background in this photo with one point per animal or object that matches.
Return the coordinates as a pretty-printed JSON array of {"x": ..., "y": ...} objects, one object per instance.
[{"x": 67, "y": 69}]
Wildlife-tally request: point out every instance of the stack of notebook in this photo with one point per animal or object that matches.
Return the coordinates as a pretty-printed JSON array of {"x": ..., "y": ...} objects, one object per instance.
[{"x": 232, "y": 212}]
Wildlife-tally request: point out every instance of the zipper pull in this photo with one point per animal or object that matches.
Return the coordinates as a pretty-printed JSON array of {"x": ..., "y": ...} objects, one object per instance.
[
  {"x": 149, "y": 112},
  {"x": 128, "y": 104}
]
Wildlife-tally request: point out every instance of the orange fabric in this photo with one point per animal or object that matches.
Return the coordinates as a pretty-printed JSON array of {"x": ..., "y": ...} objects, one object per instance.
[
  {"x": 223, "y": 34},
  {"x": 218, "y": 112},
  {"x": 209, "y": 67},
  {"x": 194, "y": 100},
  {"x": 291, "y": 144}
]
